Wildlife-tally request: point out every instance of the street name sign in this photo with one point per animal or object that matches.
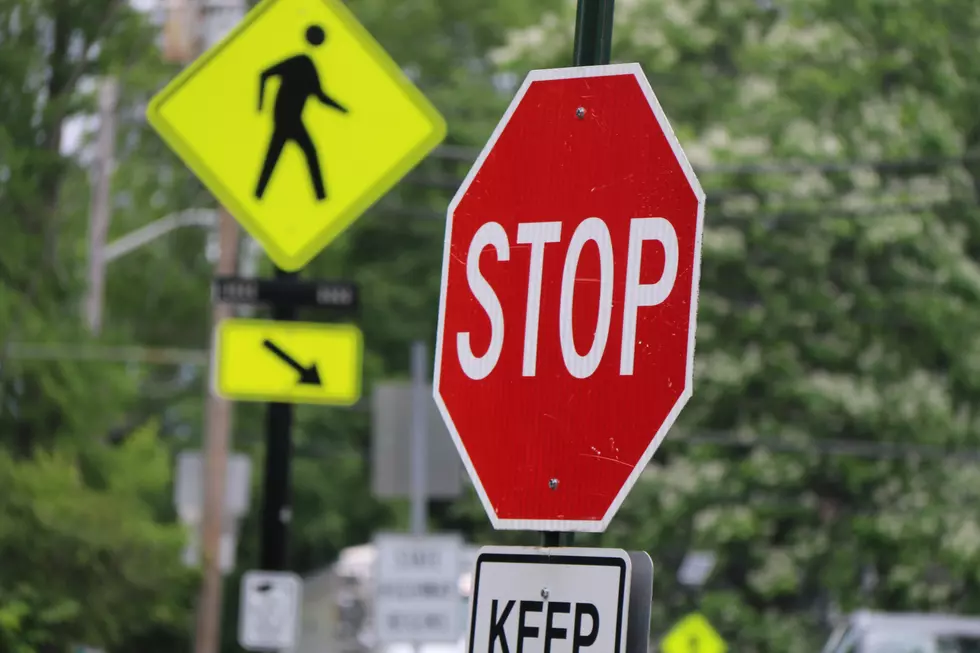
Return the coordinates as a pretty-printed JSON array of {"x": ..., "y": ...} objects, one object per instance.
[
  {"x": 549, "y": 601},
  {"x": 565, "y": 344},
  {"x": 290, "y": 362},
  {"x": 417, "y": 597},
  {"x": 292, "y": 292},
  {"x": 297, "y": 121},
  {"x": 269, "y": 614}
]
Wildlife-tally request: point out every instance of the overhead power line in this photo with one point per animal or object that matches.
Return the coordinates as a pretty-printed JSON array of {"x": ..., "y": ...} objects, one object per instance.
[
  {"x": 715, "y": 196},
  {"x": 105, "y": 353},
  {"x": 465, "y": 154},
  {"x": 869, "y": 449},
  {"x": 824, "y": 210}
]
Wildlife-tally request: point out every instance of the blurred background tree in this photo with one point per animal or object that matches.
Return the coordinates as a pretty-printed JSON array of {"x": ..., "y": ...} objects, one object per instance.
[{"x": 833, "y": 430}]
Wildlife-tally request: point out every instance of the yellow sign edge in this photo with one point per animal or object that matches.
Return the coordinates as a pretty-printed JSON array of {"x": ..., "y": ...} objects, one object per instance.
[
  {"x": 384, "y": 183},
  {"x": 699, "y": 621},
  {"x": 287, "y": 326}
]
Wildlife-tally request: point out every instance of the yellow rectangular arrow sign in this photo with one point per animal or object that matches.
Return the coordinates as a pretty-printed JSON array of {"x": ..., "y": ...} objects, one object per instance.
[{"x": 291, "y": 362}]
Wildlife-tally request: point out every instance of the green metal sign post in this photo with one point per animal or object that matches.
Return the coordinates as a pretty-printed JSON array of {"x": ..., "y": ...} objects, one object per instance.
[
  {"x": 593, "y": 32},
  {"x": 593, "y": 44}
]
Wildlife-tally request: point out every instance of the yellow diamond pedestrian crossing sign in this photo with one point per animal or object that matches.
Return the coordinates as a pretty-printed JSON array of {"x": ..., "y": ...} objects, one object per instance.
[
  {"x": 693, "y": 634},
  {"x": 297, "y": 121}
]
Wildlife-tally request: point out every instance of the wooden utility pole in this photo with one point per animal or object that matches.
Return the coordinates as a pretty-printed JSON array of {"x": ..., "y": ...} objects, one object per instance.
[
  {"x": 217, "y": 442},
  {"x": 100, "y": 208},
  {"x": 187, "y": 19}
]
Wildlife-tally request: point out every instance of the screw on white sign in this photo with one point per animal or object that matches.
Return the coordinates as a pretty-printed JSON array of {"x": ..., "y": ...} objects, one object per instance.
[
  {"x": 269, "y": 614},
  {"x": 538, "y": 235}
]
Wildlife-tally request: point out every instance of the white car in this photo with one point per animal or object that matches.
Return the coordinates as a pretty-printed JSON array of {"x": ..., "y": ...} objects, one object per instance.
[{"x": 890, "y": 632}]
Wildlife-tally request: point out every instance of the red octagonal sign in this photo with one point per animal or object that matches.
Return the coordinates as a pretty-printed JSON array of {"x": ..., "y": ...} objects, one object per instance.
[{"x": 569, "y": 292}]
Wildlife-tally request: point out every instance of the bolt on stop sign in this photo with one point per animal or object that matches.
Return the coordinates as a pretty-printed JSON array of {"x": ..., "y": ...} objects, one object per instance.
[{"x": 569, "y": 293}]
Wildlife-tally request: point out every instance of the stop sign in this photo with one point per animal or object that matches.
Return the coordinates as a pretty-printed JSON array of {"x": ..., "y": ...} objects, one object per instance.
[{"x": 569, "y": 291}]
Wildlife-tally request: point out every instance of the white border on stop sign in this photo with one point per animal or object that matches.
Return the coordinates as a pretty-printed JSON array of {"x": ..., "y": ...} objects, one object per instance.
[{"x": 588, "y": 526}]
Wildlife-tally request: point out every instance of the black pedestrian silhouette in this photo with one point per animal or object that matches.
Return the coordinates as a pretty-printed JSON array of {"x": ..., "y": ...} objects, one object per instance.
[{"x": 298, "y": 81}]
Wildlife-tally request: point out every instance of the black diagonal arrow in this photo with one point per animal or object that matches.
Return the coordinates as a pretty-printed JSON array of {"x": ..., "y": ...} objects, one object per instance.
[{"x": 307, "y": 375}]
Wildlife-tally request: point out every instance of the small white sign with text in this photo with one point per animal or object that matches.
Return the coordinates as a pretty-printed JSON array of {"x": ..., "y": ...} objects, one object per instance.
[
  {"x": 535, "y": 600},
  {"x": 269, "y": 615},
  {"x": 417, "y": 597}
]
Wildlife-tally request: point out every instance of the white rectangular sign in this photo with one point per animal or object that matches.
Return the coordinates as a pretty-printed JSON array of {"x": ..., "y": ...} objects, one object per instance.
[
  {"x": 269, "y": 616},
  {"x": 534, "y": 600},
  {"x": 417, "y": 596},
  {"x": 189, "y": 488}
]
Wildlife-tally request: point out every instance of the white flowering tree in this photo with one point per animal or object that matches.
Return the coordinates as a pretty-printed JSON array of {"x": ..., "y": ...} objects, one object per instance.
[{"x": 828, "y": 454}]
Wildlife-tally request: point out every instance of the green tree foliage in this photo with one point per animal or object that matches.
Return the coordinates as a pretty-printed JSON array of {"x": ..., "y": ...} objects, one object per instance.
[
  {"x": 86, "y": 558},
  {"x": 89, "y": 553}
]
